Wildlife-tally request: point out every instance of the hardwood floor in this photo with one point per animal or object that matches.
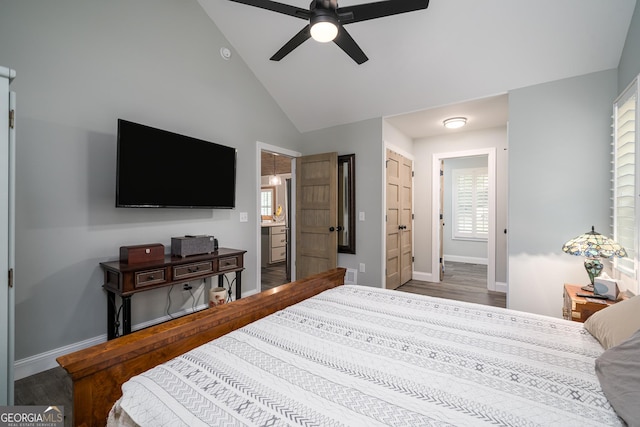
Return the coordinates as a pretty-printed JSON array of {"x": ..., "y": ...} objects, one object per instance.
[
  {"x": 51, "y": 387},
  {"x": 462, "y": 282},
  {"x": 273, "y": 275}
]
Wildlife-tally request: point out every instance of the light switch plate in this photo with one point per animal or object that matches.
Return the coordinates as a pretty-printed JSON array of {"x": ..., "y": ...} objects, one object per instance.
[{"x": 244, "y": 217}]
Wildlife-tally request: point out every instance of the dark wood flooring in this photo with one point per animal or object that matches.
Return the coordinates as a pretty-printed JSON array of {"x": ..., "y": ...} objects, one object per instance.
[
  {"x": 273, "y": 275},
  {"x": 463, "y": 282},
  {"x": 51, "y": 387}
]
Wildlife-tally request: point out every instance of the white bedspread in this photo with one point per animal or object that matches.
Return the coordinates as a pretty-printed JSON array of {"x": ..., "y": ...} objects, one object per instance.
[{"x": 357, "y": 356}]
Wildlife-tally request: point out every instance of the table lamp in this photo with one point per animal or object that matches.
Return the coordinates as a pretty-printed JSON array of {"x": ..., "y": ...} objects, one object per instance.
[{"x": 593, "y": 246}]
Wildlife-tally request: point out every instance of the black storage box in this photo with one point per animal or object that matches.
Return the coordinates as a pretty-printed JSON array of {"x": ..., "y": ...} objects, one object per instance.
[{"x": 193, "y": 245}]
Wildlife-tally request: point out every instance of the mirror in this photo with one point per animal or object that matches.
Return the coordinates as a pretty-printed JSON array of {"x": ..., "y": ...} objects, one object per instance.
[{"x": 347, "y": 204}]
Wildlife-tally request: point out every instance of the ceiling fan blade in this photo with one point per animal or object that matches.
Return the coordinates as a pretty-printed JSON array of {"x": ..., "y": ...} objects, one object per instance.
[
  {"x": 277, "y": 7},
  {"x": 364, "y": 12},
  {"x": 295, "y": 41},
  {"x": 349, "y": 45}
]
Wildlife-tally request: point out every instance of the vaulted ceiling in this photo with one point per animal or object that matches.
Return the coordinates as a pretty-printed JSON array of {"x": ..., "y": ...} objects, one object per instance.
[{"x": 454, "y": 51}]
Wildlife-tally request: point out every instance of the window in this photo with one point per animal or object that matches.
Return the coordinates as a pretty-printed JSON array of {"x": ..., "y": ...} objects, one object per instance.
[
  {"x": 625, "y": 178},
  {"x": 267, "y": 201},
  {"x": 470, "y": 203}
]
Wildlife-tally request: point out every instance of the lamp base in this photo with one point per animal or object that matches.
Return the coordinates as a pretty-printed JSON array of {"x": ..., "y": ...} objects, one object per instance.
[
  {"x": 588, "y": 288},
  {"x": 594, "y": 268}
]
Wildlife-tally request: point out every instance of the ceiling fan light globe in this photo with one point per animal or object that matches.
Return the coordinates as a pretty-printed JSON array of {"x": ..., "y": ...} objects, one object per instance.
[{"x": 324, "y": 31}]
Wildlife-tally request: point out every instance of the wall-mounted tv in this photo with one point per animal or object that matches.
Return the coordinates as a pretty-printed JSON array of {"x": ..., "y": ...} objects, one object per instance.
[{"x": 157, "y": 168}]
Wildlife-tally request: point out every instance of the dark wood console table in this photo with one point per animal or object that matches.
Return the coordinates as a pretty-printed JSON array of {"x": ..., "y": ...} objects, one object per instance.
[{"x": 125, "y": 280}]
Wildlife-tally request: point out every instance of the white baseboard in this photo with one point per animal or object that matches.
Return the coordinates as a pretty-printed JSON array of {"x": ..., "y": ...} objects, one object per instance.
[
  {"x": 41, "y": 362},
  {"x": 466, "y": 259},
  {"x": 422, "y": 276},
  {"x": 501, "y": 287},
  {"x": 47, "y": 360}
]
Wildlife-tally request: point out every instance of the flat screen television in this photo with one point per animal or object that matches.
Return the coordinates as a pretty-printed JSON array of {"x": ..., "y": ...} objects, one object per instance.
[{"x": 157, "y": 168}]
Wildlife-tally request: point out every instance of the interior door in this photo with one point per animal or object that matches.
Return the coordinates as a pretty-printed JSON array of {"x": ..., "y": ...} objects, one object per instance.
[
  {"x": 392, "y": 270},
  {"x": 406, "y": 220},
  {"x": 441, "y": 212},
  {"x": 316, "y": 214},
  {"x": 399, "y": 220}
]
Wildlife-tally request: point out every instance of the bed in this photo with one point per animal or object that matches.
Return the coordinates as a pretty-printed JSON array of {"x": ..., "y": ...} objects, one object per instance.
[{"x": 350, "y": 355}]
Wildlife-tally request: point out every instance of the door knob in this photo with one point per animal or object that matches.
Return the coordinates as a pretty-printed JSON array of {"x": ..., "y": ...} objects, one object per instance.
[{"x": 332, "y": 229}]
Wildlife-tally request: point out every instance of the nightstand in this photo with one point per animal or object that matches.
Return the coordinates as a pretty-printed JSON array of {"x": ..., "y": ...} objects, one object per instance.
[{"x": 580, "y": 308}]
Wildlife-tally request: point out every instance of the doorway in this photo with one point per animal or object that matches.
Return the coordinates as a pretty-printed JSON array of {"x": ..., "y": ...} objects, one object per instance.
[
  {"x": 438, "y": 204},
  {"x": 275, "y": 218},
  {"x": 464, "y": 216}
]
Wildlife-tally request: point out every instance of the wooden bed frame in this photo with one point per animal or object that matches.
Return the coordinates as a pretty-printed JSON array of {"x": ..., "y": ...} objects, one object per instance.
[{"x": 98, "y": 372}]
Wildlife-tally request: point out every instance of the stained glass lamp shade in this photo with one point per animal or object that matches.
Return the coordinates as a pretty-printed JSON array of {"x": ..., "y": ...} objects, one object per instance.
[{"x": 593, "y": 246}]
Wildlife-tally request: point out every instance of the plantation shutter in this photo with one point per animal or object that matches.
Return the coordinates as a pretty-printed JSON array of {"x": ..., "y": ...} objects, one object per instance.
[
  {"x": 625, "y": 179},
  {"x": 482, "y": 204},
  {"x": 470, "y": 203}
]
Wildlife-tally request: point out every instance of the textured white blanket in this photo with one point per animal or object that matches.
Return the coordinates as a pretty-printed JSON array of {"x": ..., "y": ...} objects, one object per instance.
[{"x": 358, "y": 356}]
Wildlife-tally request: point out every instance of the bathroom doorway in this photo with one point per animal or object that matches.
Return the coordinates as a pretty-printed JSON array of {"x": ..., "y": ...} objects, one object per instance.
[{"x": 275, "y": 219}]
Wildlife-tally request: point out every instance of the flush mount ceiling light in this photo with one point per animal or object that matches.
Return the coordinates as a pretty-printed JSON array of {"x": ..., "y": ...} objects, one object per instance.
[{"x": 455, "y": 122}]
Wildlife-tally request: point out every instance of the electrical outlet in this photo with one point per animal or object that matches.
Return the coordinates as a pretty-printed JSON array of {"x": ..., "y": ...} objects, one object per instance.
[{"x": 186, "y": 287}]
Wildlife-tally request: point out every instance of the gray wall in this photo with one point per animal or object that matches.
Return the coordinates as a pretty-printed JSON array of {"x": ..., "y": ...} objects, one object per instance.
[
  {"x": 460, "y": 249},
  {"x": 629, "y": 66},
  {"x": 559, "y": 185},
  {"x": 365, "y": 140},
  {"x": 80, "y": 66},
  {"x": 394, "y": 137}
]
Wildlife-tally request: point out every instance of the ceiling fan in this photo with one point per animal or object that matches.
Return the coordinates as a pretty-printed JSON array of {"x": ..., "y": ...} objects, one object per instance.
[{"x": 326, "y": 21}]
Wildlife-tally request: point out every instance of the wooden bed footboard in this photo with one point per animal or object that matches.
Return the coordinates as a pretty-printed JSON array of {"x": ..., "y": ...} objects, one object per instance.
[{"x": 98, "y": 372}]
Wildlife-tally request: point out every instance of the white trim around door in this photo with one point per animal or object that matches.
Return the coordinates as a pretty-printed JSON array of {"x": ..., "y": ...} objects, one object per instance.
[
  {"x": 435, "y": 204},
  {"x": 260, "y": 147}
]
